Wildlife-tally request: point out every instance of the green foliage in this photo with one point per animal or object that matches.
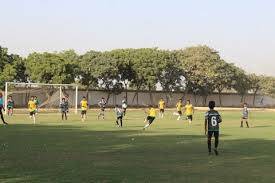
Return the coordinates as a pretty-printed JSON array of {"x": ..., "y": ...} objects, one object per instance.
[
  {"x": 12, "y": 67},
  {"x": 198, "y": 70},
  {"x": 51, "y": 67}
]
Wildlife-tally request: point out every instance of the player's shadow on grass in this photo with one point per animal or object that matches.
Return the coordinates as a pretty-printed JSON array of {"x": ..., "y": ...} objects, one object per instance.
[{"x": 37, "y": 153}]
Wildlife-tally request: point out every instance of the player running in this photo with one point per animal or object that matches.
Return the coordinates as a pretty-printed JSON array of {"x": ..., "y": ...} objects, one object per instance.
[
  {"x": 161, "y": 107},
  {"x": 84, "y": 107},
  {"x": 102, "y": 104},
  {"x": 245, "y": 115},
  {"x": 32, "y": 108},
  {"x": 37, "y": 103},
  {"x": 64, "y": 108},
  {"x": 212, "y": 120},
  {"x": 151, "y": 116},
  {"x": 119, "y": 115},
  {"x": 179, "y": 106},
  {"x": 2, "y": 108},
  {"x": 124, "y": 106},
  {"x": 189, "y": 111},
  {"x": 10, "y": 106}
]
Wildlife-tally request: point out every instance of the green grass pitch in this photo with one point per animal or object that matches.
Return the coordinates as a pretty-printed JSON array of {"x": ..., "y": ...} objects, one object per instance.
[{"x": 169, "y": 151}]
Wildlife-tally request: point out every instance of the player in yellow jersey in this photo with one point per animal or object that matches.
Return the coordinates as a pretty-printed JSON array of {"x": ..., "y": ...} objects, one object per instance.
[
  {"x": 84, "y": 108},
  {"x": 161, "y": 107},
  {"x": 179, "y": 107},
  {"x": 189, "y": 111},
  {"x": 32, "y": 108},
  {"x": 151, "y": 116}
]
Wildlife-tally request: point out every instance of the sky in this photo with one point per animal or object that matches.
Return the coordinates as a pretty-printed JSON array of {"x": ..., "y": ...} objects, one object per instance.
[{"x": 243, "y": 31}]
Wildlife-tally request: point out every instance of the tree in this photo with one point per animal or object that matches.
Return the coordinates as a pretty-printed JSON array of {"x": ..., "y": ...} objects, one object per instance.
[
  {"x": 85, "y": 74},
  {"x": 199, "y": 65},
  {"x": 255, "y": 85},
  {"x": 50, "y": 68},
  {"x": 125, "y": 64},
  {"x": 241, "y": 83},
  {"x": 224, "y": 77},
  {"x": 12, "y": 67},
  {"x": 106, "y": 71}
]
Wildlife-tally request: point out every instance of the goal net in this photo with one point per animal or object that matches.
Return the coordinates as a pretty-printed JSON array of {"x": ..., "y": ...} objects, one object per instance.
[{"x": 49, "y": 96}]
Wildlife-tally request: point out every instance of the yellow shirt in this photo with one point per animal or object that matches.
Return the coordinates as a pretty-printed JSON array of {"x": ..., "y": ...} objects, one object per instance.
[
  {"x": 161, "y": 104},
  {"x": 152, "y": 112},
  {"x": 189, "y": 109},
  {"x": 84, "y": 104},
  {"x": 31, "y": 106},
  {"x": 179, "y": 106}
]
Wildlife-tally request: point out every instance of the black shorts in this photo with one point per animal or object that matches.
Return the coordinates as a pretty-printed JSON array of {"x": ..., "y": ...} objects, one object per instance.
[
  {"x": 9, "y": 108},
  {"x": 161, "y": 110},
  {"x": 179, "y": 112},
  {"x": 150, "y": 119},
  {"x": 102, "y": 109},
  {"x": 32, "y": 113},
  {"x": 216, "y": 134},
  {"x": 83, "y": 112},
  {"x": 189, "y": 117},
  {"x": 245, "y": 117}
]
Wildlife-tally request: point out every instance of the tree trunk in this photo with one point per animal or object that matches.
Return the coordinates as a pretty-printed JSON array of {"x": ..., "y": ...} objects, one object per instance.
[
  {"x": 254, "y": 97},
  {"x": 205, "y": 100},
  {"x": 196, "y": 99},
  {"x": 220, "y": 98},
  {"x": 150, "y": 95}
]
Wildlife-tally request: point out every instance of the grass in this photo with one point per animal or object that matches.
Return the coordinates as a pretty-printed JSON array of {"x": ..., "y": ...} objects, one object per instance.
[{"x": 169, "y": 151}]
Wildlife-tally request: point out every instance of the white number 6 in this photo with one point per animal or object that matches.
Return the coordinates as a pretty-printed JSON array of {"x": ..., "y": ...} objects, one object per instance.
[{"x": 214, "y": 121}]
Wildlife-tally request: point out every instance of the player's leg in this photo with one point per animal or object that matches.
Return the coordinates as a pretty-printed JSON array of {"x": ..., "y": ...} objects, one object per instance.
[
  {"x": 209, "y": 137},
  {"x": 246, "y": 121},
  {"x": 124, "y": 111},
  {"x": 161, "y": 113},
  {"x": 62, "y": 115},
  {"x": 33, "y": 117},
  {"x": 120, "y": 121},
  {"x": 149, "y": 121},
  {"x": 82, "y": 116},
  {"x": 117, "y": 118},
  {"x": 241, "y": 122},
  {"x": 65, "y": 114},
  {"x": 180, "y": 114},
  {"x": 216, "y": 135},
  {"x": 103, "y": 114},
  {"x": 191, "y": 119},
  {"x": 2, "y": 117}
]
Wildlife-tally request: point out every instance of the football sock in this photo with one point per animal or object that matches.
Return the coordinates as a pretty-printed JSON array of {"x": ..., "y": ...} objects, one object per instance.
[
  {"x": 216, "y": 142},
  {"x": 209, "y": 145},
  {"x": 146, "y": 126}
]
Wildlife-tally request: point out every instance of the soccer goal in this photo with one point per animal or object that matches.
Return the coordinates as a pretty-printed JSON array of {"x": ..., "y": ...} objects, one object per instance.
[{"x": 49, "y": 96}]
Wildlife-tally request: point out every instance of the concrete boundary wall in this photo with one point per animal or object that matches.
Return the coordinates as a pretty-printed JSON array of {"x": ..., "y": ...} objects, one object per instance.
[{"x": 143, "y": 98}]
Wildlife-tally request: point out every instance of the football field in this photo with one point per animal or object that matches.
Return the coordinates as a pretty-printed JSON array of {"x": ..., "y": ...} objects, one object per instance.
[{"x": 168, "y": 151}]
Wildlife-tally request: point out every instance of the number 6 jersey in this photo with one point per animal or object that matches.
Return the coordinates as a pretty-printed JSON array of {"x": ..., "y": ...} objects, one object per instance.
[{"x": 213, "y": 119}]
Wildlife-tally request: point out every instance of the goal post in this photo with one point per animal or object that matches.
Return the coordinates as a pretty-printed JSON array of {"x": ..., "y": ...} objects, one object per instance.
[{"x": 50, "y": 94}]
